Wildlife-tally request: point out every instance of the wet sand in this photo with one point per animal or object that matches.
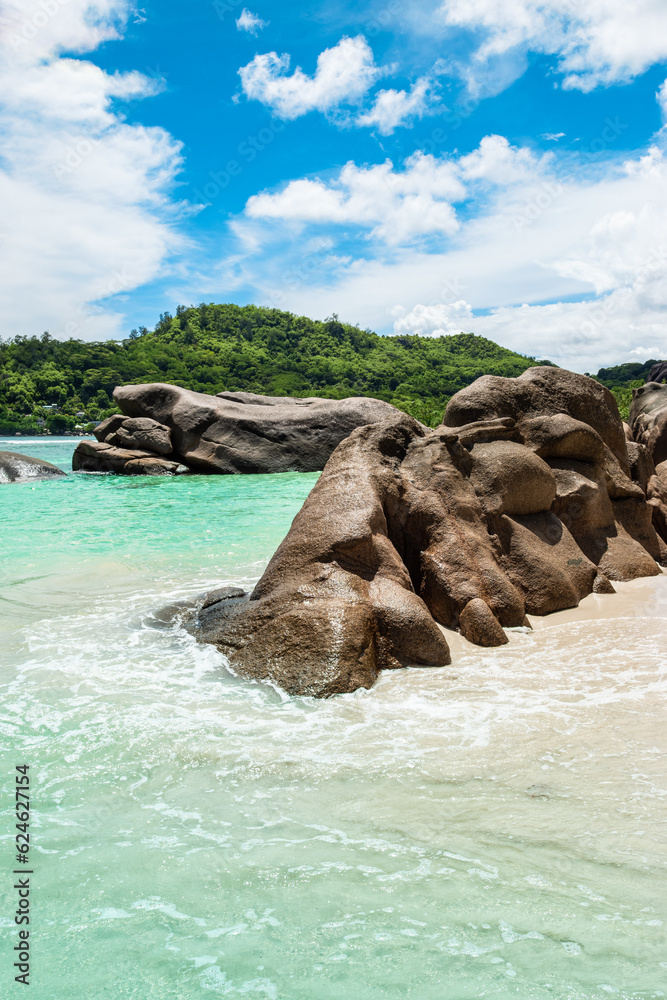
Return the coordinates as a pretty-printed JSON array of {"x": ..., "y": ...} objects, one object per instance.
[{"x": 644, "y": 598}]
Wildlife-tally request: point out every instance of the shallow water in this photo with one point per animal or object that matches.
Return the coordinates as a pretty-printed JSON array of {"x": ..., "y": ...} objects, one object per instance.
[{"x": 490, "y": 829}]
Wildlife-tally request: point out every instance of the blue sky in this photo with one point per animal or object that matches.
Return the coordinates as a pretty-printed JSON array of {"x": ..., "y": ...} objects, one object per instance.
[{"x": 424, "y": 167}]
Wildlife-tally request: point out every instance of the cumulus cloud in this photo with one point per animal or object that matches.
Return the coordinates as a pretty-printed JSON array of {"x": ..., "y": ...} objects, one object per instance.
[
  {"x": 394, "y": 205},
  {"x": 250, "y": 22},
  {"x": 399, "y": 205},
  {"x": 601, "y": 42},
  {"x": 344, "y": 75},
  {"x": 86, "y": 209},
  {"x": 32, "y": 29},
  {"x": 662, "y": 99},
  {"x": 393, "y": 108},
  {"x": 500, "y": 163},
  {"x": 582, "y": 336},
  {"x": 571, "y": 268},
  {"x": 436, "y": 320}
]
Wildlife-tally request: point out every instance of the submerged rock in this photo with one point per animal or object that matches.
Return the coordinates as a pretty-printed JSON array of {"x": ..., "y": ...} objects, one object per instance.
[
  {"x": 184, "y": 612},
  {"x": 467, "y": 527},
  {"x": 17, "y": 468},
  {"x": 233, "y": 432}
]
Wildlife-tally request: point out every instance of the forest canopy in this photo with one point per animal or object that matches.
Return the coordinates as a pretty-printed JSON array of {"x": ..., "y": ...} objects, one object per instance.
[{"x": 53, "y": 384}]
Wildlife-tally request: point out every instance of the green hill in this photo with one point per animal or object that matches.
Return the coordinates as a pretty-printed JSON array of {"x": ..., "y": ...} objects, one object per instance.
[
  {"x": 214, "y": 347},
  {"x": 620, "y": 376}
]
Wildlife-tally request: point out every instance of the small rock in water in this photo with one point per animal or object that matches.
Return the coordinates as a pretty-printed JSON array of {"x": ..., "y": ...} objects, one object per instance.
[
  {"x": 222, "y": 594},
  {"x": 171, "y": 614},
  {"x": 181, "y": 612},
  {"x": 18, "y": 468}
]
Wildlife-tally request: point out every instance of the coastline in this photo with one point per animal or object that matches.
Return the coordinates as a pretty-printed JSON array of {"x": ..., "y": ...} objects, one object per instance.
[
  {"x": 506, "y": 810},
  {"x": 642, "y": 598}
]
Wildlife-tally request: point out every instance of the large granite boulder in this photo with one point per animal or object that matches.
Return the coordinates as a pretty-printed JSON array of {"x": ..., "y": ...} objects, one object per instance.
[
  {"x": 658, "y": 372},
  {"x": 542, "y": 391},
  {"x": 648, "y": 419},
  {"x": 17, "y": 468},
  {"x": 233, "y": 432},
  {"x": 656, "y": 495},
  {"x": 646, "y": 437},
  {"x": 409, "y": 532}
]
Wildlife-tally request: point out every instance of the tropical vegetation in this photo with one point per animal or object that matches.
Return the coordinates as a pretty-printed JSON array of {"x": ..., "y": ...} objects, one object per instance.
[{"x": 52, "y": 385}]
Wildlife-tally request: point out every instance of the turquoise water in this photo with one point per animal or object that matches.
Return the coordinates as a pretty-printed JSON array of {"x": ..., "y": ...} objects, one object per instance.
[{"x": 491, "y": 829}]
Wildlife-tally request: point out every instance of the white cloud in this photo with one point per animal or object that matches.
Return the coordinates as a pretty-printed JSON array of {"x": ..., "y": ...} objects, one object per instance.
[
  {"x": 396, "y": 206},
  {"x": 434, "y": 320},
  {"x": 250, "y": 22},
  {"x": 86, "y": 211},
  {"x": 400, "y": 206},
  {"x": 582, "y": 336},
  {"x": 497, "y": 162},
  {"x": 344, "y": 74},
  {"x": 661, "y": 97},
  {"x": 33, "y": 29},
  {"x": 597, "y": 43},
  {"x": 393, "y": 108},
  {"x": 552, "y": 136},
  {"x": 572, "y": 269}
]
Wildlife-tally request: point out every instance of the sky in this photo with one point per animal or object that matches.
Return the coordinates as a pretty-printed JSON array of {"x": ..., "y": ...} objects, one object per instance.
[{"x": 413, "y": 166}]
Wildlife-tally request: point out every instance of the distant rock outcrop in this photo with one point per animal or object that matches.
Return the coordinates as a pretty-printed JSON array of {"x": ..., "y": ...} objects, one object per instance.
[
  {"x": 521, "y": 502},
  {"x": 163, "y": 427},
  {"x": 16, "y": 468},
  {"x": 658, "y": 372},
  {"x": 648, "y": 419}
]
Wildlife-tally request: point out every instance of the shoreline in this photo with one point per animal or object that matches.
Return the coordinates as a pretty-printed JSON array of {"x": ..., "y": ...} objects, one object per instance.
[{"x": 645, "y": 597}]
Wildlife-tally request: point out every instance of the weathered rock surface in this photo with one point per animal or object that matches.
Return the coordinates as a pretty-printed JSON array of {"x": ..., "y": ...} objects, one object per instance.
[
  {"x": 138, "y": 433},
  {"x": 542, "y": 391},
  {"x": 656, "y": 495},
  {"x": 642, "y": 466},
  {"x": 658, "y": 372},
  {"x": 99, "y": 456},
  {"x": 233, "y": 432},
  {"x": 16, "y": 468},
  {"x": 648, "y": 419},
  {"x": 469, "y": 527},
  {"x": 479, "y": 624}
]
